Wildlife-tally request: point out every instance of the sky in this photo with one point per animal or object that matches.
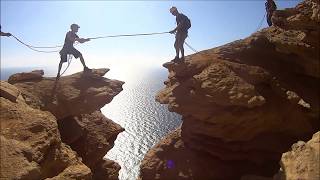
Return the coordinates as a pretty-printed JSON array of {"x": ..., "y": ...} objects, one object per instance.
[{"x": 45, "y": 23}]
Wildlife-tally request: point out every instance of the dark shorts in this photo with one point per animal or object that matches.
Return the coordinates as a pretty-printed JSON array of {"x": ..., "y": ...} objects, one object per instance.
[
  {"x": 65, "y": 51},
  {"x": 181, "y": 36}
]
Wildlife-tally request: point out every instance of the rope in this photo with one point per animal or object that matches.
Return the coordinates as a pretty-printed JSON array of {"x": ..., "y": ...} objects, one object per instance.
[
  {"x": 126, "y": 35},
  {"x": 260, "y": 24},
  {"x": 194, "y": 50},
  {"x": 69, "y": 62},
  {"x": 33, "y": 47}
]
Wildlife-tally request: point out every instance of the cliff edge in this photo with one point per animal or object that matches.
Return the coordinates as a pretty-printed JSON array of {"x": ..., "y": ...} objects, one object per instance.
[
  {"x": 243, "y": 104},
  {"x": 55, "y": 130}
]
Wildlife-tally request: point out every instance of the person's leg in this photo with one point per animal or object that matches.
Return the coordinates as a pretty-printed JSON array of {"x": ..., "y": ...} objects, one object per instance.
[
  {"x": 182, "y": 51},
  {"x": 59, "y": 69},
  {"x": 176, "y": 46},
  {"x": 181, "y": 39},
  {"x": 85, "y": 68},
  {"x": 82, "y": 61},
  {"x": 269, "y": 15},
  {"x": 63, "y": 58},
  {"x": 77, "y": 54}
]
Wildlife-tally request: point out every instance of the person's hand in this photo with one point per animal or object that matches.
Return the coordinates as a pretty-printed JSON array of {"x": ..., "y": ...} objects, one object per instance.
[
  {"x": 9, "y": 34},
  {"x": 82, "y": 40},
  {"x": 88, "y": 39},
  {"x": 172, "y": 32}
]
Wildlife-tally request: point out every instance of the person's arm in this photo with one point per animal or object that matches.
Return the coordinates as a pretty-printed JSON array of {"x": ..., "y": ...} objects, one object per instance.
[
  {"x": 82, "y": 40},
  {"x": 178, "y": 26},
  {"x": 74, "y": 37},
  {"x": 5, "y": 34}
]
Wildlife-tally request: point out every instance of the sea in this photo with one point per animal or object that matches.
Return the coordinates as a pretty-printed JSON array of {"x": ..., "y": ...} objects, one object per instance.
[{"x": 145, "y": 121}]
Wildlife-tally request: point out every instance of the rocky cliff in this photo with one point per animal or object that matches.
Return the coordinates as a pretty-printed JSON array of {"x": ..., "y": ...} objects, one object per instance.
[
  {"x": 242, "y": 104},
  {"x": 55, "y": 130}
]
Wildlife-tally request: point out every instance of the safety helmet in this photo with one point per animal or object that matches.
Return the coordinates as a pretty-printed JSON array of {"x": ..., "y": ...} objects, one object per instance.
[
  {"x": 74, "y": 26},
  {"x": 173, "y": 9}
]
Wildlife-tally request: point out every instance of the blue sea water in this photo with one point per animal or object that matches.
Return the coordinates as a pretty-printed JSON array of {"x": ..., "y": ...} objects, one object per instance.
[
  {"x": 145, "y": 120},
  {"x": 135, "y": 109}
]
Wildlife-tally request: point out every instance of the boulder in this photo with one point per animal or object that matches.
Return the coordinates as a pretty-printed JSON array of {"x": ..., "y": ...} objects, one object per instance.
[
  {"x": 26, "y": 76},
  {"x": 9, "y": 91}
]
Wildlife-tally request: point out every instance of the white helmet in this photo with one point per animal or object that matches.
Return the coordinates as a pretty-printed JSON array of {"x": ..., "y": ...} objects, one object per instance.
[{"x": 173, "y": 9}]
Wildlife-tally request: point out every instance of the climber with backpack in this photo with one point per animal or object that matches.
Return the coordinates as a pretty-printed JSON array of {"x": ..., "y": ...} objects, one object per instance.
[
  {"x": 270, "y": 8},
  {"x": 181, "y": 31}
]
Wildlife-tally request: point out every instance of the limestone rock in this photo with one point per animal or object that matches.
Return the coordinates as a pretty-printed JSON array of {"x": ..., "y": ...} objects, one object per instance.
[
  {"x": 106, "y": 169},
  {"x": 171, "y": 158},
  {"x": 247, "y": 101},
  {"x": 31, "y": 147},
  {"x": 93, "y": 135},
  {"x": 79, "y": 172},
  {"x": 26, "y": 76},
  {"x": 72, "y": 95},
  {"x": 9, "y": 91},
  {"x": 302, "y": 162}
]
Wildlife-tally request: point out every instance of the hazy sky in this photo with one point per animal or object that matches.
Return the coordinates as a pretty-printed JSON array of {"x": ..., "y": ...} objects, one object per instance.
[{"x": 44, "y": 23}]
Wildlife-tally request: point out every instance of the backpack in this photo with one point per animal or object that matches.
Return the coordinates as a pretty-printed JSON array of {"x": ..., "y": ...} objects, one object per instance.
[{"x": 187, "y": 23}]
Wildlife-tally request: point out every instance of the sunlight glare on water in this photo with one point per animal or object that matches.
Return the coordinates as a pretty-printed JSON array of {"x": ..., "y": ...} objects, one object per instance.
[{"x": 135, "y": 109}]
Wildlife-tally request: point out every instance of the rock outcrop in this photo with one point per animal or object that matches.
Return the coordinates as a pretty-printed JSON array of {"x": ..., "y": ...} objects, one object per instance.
[
  {"x": 242, "y": 104},
  {"x": 55, "y": 130},
  {"x": 302, "y": 162},
  {"x": 19, "y": 77}
]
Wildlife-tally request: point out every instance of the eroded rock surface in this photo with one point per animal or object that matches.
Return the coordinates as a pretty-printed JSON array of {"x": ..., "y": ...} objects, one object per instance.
[
  {"x": 92, "y": 137},
  {"x": 245, "y": 103},
  {"x": 31, "y": 147},
  {"x": 73, "y": 95},
  {"x": 25, "y": 76},
  {"x": 55, "y": 130},
  {"x": 303, "y": 161}
]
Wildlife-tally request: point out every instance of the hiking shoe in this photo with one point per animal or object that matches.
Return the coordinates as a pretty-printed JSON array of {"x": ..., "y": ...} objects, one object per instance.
[
  {"x": 86, "y": 69},
  {"x": 176, "y": 59},
  {"x": 182, "y": 59}
]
